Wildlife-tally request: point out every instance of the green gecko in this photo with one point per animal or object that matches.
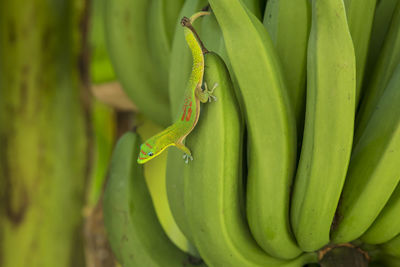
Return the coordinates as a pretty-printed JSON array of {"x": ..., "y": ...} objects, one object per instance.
[{"x": 175, "y": 134}]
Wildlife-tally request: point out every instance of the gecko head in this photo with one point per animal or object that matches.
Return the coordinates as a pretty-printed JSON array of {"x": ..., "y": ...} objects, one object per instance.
[
  {"x": 147, "y": 152},
  {"x": 150, "y": 150}
]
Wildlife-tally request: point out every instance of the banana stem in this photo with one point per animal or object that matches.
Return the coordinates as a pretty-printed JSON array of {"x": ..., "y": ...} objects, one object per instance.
[{"x": 343, "y": 255}]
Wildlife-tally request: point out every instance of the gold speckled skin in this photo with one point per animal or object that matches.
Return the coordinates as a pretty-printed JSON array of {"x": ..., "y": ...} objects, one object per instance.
[{"x": 175, "y": 134}]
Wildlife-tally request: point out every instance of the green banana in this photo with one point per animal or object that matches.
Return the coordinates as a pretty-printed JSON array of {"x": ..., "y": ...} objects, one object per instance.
[
  {"x": 127, "y": 43},
  {"x": 161, "y": 21},
  {"x": 392, "y": 247},
  {"x": 288, "y": 24},
  {"x": 374, "y": 171},
  {"x": 270, "y": 124},
  {"x": 328, "y": 130},
  {"x": 212, "y": 37},
  {"x": 135, "y": 235},
  {"x": 380, "y": 26},
  {"x": 175, "y": 191},
  {"x": 172, "y": 8},
  {"x": 213, "y": 182},
  {"x": 155, "y": 175},
  {"x": 387, "y": 62},
  {"x": 158, "y": 41},
  {"x": 387, "y": 225},
  {"x": 360, "y": 15}
]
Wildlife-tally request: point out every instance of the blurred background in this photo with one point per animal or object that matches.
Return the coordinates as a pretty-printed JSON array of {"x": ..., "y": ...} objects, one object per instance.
[{"x": 61, "y": 111}]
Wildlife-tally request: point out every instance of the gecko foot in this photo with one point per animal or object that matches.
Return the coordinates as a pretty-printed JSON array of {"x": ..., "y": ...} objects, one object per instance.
[
  {"x": 186, "y": 157},
  {"x": 212, "y": 98},
  {"x": 210, "y": 92}
]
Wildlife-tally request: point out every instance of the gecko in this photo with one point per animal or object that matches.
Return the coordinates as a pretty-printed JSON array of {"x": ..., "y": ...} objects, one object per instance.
[{"x": 175, "y": 134}]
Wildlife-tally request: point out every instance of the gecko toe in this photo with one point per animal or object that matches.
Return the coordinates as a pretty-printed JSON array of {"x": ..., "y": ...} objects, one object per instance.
[
  {"x": 212, "y": 98},
  {"x": 215, "y": 86}
]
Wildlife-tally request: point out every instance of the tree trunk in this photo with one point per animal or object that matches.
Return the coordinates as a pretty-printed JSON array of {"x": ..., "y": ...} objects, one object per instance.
[{"x": 43, "y": 136}]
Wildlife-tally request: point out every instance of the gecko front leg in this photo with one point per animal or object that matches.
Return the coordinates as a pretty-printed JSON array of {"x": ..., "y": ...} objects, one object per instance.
[
  {"x": 206, "y": 94},
  {"x": 186, "y": 152}
]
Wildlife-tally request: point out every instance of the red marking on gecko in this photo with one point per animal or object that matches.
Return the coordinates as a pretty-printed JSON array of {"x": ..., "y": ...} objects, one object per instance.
[
  {"x": 149, "y": 145},
  {"x": 143, "y": 152},
  {"x": 189, "y": 114},
  {"x": 185, "y": 107},
  {"x": 141, "y": 158},
  {"x": 184, "y": 113}
]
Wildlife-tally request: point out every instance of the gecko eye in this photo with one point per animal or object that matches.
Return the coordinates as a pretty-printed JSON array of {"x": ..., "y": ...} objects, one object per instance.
[{"x": 150, "y": 154}]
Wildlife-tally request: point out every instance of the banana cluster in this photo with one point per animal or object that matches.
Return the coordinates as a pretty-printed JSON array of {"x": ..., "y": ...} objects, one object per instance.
[{"x": 300, "y": 153}]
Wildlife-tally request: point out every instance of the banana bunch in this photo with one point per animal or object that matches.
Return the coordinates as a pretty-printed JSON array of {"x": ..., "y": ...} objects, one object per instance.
[{"x": 298, "y": 157}]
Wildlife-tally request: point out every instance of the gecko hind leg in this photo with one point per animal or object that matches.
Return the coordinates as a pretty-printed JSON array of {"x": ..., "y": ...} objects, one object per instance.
[{"x": 186, "y": 152}]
